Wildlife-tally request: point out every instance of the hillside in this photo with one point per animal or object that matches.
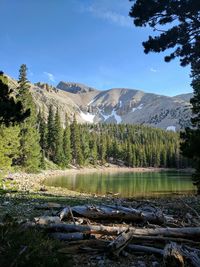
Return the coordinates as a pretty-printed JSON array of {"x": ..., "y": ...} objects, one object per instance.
[{"x": 117, "y": 105}]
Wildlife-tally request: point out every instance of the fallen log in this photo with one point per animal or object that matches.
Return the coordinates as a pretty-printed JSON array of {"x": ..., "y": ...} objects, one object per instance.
[
  {"x": 144, "y": 249},
  {"x": 49, "y": 205},
  {"x": 190, "y": 233},
  {"x": 163, "y": 239},
  {"x": 117, "y": 245},
  {"x": 64, "y": 214},
  {"x": 86, "y": 245},
  {"x": 172, "y": 256},
  {"x": 45, "y": 220},
  {"x": 191, "y": 254},
  {"x": 70, "y": 236},
  {"x": 118, "y": 213}
]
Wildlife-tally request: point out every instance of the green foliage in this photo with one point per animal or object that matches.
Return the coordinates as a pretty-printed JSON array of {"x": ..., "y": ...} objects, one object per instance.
[
  {"x": 131, "y": 145},
  {"x": 30, "y": 151},
  {"x": 9, "y": 145},
  {"x": 184, "y": 34},
  {"x": 93, "y": 149},
  {"x": 11, "y": 111},
  {"x": 59, "y": 156},
  {"x": 184, "y": 38},
  {"x": 102, "y": 149},
  {"x": 67, "y": 143},
  {"x": 51, "y": 134},
  {"x": 77, "y": 155},
  {"x": 43, "y": 142}
]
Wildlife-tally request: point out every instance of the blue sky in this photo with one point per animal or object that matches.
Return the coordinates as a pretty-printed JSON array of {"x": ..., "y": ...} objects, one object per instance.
[{"x": 88, "y": 41}]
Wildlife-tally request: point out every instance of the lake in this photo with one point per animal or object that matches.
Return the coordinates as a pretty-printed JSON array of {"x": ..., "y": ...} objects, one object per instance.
[{"x": 127, "y": 184}]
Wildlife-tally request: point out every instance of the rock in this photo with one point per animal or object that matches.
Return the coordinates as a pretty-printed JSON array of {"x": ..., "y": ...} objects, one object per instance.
[{"x": 141, "y": 264}]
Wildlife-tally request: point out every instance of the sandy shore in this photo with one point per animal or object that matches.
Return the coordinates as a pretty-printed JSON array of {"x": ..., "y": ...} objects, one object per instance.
[{"x": 35, "y": 182}]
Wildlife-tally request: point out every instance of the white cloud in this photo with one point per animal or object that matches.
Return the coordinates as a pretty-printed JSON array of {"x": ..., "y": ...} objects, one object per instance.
[
  {"x": 153, "y": 70},
  {"x": 50, "y": 76},
  {"x": 112, "y": 16}
]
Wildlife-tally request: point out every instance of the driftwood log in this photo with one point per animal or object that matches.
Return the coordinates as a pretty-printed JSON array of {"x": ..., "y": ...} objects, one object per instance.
[
  {"x": 70, "y": 236},
  {"x": 190, "y": 233},
  {"x": 116, "y": 246},
  {"x": 172, "y": 256},
  {"x": 118, "y": 213}
]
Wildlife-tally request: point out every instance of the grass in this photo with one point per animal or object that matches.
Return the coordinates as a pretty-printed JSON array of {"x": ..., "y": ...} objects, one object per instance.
[{"x": 23, "y": 248}]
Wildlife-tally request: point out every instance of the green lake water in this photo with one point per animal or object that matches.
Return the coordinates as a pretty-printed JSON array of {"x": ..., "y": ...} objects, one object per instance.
[{"x": 127, "y": 184}]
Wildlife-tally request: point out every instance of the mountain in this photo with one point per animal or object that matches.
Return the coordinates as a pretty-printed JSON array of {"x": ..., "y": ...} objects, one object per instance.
[{"x": 117, "y": 105}]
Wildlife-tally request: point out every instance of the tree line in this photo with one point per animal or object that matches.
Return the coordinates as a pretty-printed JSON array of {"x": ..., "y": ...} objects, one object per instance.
[
  {"x": 34, "y": 141},
  {"x": 122, "y": 144}
]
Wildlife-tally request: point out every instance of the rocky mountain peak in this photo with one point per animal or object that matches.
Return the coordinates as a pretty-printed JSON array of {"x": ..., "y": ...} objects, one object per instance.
[
  {"x": 117, "y": 105},
  {"x": 74, "y": 88}
]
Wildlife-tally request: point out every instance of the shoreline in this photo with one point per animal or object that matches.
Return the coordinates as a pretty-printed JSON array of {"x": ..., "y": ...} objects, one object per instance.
[{"x": 31, "y": 182}]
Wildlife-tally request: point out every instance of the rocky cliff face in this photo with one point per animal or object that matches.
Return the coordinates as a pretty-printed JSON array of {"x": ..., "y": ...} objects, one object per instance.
[{"x": 118, "y": 105}]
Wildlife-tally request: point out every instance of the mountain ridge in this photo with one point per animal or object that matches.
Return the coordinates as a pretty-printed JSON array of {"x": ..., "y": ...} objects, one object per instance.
[{"x": 116, "y": 105}]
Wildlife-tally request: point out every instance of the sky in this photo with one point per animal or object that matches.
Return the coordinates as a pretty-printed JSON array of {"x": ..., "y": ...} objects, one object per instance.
[{"x": 93, "y": 42}]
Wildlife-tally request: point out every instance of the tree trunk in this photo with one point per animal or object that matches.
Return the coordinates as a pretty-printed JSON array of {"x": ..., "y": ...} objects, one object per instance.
[{"x": 190, "y": 233}]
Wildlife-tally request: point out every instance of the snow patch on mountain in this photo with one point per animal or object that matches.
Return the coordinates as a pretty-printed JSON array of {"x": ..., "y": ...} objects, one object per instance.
[
  {"x": 113, "y": 114},
  {"x": 117, "y": 117},
  {"x": 87, "y": 117},
  {"x": 171, "y": 128},
  {"x": 138, "y": 108}
]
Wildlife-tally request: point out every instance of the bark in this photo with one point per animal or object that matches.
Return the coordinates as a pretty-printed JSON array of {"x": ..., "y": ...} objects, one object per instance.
[
  {"x": 70, "y": 236},
  {"x": 116, "y": 246},
  {"x": 118, "y": 213},
  {"x": 191, "y": 255},
  {"x": 172, "y": 256},
  {"x": 190, "y": 233},
  {"x": 144, "y": 249},
  {"x": 64, "y": 214},
  {"x": 45, "y": 220}
]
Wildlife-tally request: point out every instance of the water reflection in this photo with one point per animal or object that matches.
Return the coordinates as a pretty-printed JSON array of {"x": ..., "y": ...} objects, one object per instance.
[{"x": 127, "y": 184}]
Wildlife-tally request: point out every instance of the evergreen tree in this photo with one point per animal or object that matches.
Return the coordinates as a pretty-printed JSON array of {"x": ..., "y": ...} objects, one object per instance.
[
  {"x": 58, "y": 131},
  {"x": 42, "y": 130},
  {"x": 85, "y": 146},
  {"x": 43, "y": 142},
  {"x": 11, "y": 111},
  {"x": 29, "y": 154},
  {"x": 183, "y": 39},
  {"x": 9, "y": 145},
  {"x": 67, "y": 143},
  {"x": 129, "y": 154},
  {"x": 102, "y": 149},
  {"x": 76, "y": 143},
  {"x": 94, "y": 152},
  {"x": 51, "y": 135}
]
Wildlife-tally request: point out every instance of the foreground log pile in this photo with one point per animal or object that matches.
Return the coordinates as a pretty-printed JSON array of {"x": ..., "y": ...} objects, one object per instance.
[{"x": 118, "y": 230}]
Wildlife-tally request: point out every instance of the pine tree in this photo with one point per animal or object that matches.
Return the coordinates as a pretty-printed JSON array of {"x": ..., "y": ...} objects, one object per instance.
[
  {"x": 9, "y": 145},
  {"x": 58, "y": 131},
  {"x": 129, "y": 155},
  {"x": 43, "y": 142},
  {"x": 42, "y": 130},
  {"x": 102, "y": 149},
  {"x": 29, "y": 154},
  {"x": 85, "y": 146},
  {"x": 67, "y": 143},
  {"x": 191, "y": 145},
  {"x": 51, "y": 135},
  {"x": 94, "y": 152},
  {"x": 76, "y": 143},
  {"x": 11, "y": 111}
]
